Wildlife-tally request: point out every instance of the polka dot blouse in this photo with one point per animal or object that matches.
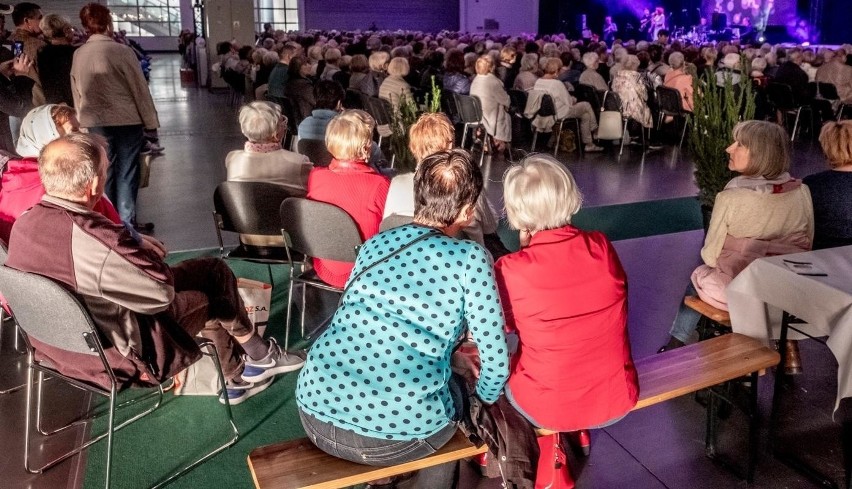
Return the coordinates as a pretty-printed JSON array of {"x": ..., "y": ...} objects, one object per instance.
[{"x": 381, "y": 368}]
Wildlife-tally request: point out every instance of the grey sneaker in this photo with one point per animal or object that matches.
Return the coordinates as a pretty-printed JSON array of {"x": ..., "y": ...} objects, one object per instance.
[{"x": 277, "y": 361}]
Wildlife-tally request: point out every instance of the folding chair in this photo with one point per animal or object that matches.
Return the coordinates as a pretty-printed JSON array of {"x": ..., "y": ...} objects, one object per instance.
[
  {"x": 828, "y": 91},
  {"x": 6, "y": 319},
  {"x": 67, "y": 325},
  {"x": 381, "y": 111},
  {"x": 470, "y": 114},
  {"x": 315, "y": 150},
  {"x": 318, "y": 230},
  {"x": 249, "y": 208},
  {"x": 781, "y": 97},
  {"x": 671, "y": 104},
  {"x": 548, "y": 109},
  {"x": 394, "y": 221},
  {"x": 288, "y": 108}
]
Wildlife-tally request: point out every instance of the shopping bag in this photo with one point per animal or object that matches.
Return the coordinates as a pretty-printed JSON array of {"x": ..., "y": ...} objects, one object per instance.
[
  {"x": 610, "y": 125},
  {"x": 199, "y": 379},
  {"x": 257, "y": 298}
]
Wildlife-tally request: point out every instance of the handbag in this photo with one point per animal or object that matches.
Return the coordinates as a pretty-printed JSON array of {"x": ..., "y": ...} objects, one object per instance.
[{"x": 610, "y": 126}]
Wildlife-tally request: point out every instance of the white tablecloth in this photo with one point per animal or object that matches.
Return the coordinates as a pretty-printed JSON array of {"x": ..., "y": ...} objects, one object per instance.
[{"x": 758, "y": 294}]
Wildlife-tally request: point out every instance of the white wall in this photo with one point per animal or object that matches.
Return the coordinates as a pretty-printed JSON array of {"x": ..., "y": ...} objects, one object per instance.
[{"x": 513, "y": 17}]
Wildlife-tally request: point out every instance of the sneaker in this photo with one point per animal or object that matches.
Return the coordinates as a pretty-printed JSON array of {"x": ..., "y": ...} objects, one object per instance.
[
  {"x": 277, "y": 361},
  {"x": 591, "y": 148},
  {"x": 238, "y": 392},
  {"x": 155, "y": 148}
]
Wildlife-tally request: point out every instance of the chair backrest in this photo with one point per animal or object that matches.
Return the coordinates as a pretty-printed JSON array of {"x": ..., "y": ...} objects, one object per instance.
[
  {"x": 828, "y": 91},
  {"x": 288, "y": 108},
  {"x": 319, "y": 230},
  {"x": 315, "y": 150},
  {"x": 353, "y": 99},
  {"x": 587, "y": 93},
  {"x": 448, "y": 105},
  {"x": 546, "y": 107},
  {"x": 611, "y": 101},
  {"x": 394, "y": 221},
  {"x": 377, "y": 108},
  {"x": 48, "y": 312},
  {"x": 517, "y": 101},
  {"x": 469, "y": 107},
  {"x": 3, "y": 253},
  {"x": 670, "y": 101},
  {"x": 249, "y": 207},
  {"x": 781, "y": 96}
]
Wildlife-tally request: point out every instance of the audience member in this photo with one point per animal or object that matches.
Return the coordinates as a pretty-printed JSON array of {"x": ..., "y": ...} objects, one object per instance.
[
  {"x": 838, "y": 73},
  {"x": 565, "y": 104},
  {"x": 16, "y": 96},
  {"x": 394, "y": 88},
  {"x": 27, "y": 18},
  {"x": 495, "y": 104},
  {"x": 830, "y": 189},
  {"x": 680, "y": 80},
  {"x": 370, "y": 84},
  {"x": 628, "y": 84},
  {"x": 299, "y": 87},
  {"x": 591, "y": 76},
  {"x": 55, "y": 59},
  {"x": 455, "y": 79},
  {"x": 528, "y": 74},
  {"x": 279, "y": 75},
  {"x": 136, "y": 300}
]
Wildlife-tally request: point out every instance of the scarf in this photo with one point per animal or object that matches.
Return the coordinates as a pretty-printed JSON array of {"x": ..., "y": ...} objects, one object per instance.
[
  {"x": 262, "y": 147},
  {"x": 37, "y": 129},
  {"x": 779, "y": 185}
]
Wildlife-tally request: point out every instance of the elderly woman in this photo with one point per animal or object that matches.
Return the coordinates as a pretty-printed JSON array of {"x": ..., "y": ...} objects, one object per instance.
[
  {"x": 590, "y": 75},
  {"x": 299, "y": 87},
  {"x": 434, "y": 133},
  {"x": 55, "y": 58},
  {"x": 565, "y": 104},
  {"x": 417, "y": 290},
  {"x": 262, "y": 159},
  {"x": 762, "y": 212},
  {"x": 394, "y": 88},
  {"x": 350, "y": 183},
  {"x": 359, "y": 69},
  {"x": 113, "y": 100},
  {"x": 830, "y": 189},
  {"x": 564, "y": 295},
  {"x": 680, "y": 80},
  {"x": 528, "y": 75},
  {"x": 370, "y": 84},
  {"x": 455, "y": 79},
  {"x": 495, "y": 103},
  {"x": 20, "y": 187},
  {"x": 628, "y": 84}
]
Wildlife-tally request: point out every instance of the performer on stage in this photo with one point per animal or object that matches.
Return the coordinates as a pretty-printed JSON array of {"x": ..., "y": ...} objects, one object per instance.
[
  {"x": 658, "y": 22},
  {"x": 609, "y": 30},
  {"x": 645, "y": 23}
]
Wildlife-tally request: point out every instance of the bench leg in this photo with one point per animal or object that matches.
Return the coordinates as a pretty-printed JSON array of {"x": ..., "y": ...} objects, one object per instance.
[{"x": 751, "y": 410}]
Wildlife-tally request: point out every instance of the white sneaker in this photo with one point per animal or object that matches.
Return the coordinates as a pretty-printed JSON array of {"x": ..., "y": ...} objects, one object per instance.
[
  {"x": 277, "y": 361},
  {"x": 591, "y": 148}
]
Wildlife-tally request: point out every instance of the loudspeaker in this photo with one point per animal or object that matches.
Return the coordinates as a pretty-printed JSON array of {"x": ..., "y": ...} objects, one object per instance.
[{"x": 719, "y": 22}]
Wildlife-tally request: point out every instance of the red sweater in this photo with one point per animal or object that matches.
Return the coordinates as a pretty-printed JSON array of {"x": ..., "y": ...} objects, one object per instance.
[
  {"x": 359, "y": 190},
  {"x": 566, "y": 296}
]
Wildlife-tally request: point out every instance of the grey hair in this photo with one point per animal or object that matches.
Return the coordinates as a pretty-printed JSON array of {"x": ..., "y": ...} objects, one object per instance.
[
  {"x": 259, "y": 121},
  {"x": 631, "y": 62},
  {"x": 529, "y": 62},
  {"x": 590, "y": 58},
  {"x": 69, "y": 172},
  {"x": 55, "y": 26},
  {"x": 676, "y": 60},
  {"x": 540, "y": 193}
]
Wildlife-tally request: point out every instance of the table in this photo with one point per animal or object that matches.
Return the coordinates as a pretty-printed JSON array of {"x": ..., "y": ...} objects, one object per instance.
[
  {"x": 758, "y": 296},
  {"x": 769, "y": 294}
]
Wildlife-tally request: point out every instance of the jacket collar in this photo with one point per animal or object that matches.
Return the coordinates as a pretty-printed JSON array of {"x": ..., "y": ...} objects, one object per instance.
[
  {"x": 350, "y": 166},
  {"x": 324, "y": 114},
  {"x": 548, "y": 236},
  {"x": 99, "y": 37},
  {"x": 67, "y": 204}
]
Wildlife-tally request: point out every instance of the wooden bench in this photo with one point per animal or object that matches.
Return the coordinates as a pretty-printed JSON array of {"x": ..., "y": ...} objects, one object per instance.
[{"x": 299, "y": 464}]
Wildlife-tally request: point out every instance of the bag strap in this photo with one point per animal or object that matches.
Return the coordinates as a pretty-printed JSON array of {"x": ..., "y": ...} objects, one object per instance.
[{"x": 432, "y": 232}]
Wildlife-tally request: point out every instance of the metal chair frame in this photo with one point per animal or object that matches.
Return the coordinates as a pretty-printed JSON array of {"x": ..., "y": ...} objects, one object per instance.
[
  {"x": 781, "y": 97},
  {"x": 666, "y": 98},
  {"x": 548, "y": 109},
  {"x": 90, "y": 336}
]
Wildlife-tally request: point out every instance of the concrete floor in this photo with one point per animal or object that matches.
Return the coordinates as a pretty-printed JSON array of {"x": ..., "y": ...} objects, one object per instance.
[{"x": 657, "y": 447}]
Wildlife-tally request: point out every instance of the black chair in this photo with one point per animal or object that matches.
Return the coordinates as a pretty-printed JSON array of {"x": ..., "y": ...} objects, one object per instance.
[
  {"x": 448, "y": 105},
  {"x": 250, "y": 208},
  {"x": 381, "y": 111},
  {"x": 394, "y": 221},
  {"x": 315, "y": 150},
  {"x": 671, "y": 104},
  {"x": 353, "y": 99},
  {"x": 548, "y": 109},
  {"x": 828, "y": 91},
  {"x": 470, "y": 114},
  {"x": 587, "y": 93},
  {"x": 288, "y": 108},
  {"x": 781, "y": 97},
  {"x": 47, "y": 312},
  {"x": 318, "y": 230}
]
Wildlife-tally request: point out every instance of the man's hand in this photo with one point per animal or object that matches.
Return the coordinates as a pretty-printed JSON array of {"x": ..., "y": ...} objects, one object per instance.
[
  {"x": 153, "y": 244},
  {"x": 22, "y": 65}
]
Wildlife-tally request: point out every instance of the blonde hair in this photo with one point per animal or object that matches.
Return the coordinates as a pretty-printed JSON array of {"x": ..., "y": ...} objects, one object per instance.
[
  {"x": 349, "y": 136},
  {"x": 398, "y": 67},
  {"x": 432, "y": 133},
  {"x": 259, "y": 121},
  {"x": 484, "y": 64},
  {"x": 768, "y": 148},
  {"x": 378, "y": 61},
  {"x": 552, "y": 66},
  {"x": 540, "y": 194},
  {"x": 836, "y": 141}
]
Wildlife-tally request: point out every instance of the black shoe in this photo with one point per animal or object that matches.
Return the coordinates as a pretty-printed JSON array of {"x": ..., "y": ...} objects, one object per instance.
[{"x": 671, "y": 345}]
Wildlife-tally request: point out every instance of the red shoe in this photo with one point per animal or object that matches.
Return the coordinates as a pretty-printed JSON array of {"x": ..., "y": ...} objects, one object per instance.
[{"x": 585, "y": 442}]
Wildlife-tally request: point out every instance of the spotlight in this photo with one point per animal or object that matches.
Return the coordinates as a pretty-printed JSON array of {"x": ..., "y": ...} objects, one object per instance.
[{"x": 761, "y": 39}]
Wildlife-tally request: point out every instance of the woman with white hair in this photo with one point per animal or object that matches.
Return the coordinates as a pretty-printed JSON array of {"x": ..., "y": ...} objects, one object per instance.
[
  {"x": 590, "y": 75},
  {"x": 564, "y": 295},
  {"x": 394, "y": 88},
  {"x": 565, "y": 104},
  {"x": 528, "y": 75},
  {"x": 495, "y": 103},
  {"x": 628, "y": 84},
  {"x": 680, "y": 80}
]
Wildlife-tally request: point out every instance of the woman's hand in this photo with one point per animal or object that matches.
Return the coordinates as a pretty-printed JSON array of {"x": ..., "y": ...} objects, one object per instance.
[
  {"x": 22, "y": 65},
  {"x": 465, "y": 362}
]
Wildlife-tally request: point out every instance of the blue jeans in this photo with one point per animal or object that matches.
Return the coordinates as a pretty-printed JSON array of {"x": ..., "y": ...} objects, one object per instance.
[
  {"x": 122, "y": 185},
  {"x": 368, "y": 450},
  {"x": 686, "y": 320}
]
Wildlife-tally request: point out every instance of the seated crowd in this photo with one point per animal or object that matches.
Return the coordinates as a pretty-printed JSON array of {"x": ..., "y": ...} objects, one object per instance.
[{"x": 437, "y": 318}]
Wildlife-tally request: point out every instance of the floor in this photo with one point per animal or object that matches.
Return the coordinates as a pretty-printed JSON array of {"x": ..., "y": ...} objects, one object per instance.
[{"x": 657, "y": 447}]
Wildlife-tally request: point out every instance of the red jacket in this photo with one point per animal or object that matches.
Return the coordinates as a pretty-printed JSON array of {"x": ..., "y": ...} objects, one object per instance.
[
  {"x": 20, "y": 189},
  {"x": 359, "y": 190},
  {"x": 566, "y": 296}
]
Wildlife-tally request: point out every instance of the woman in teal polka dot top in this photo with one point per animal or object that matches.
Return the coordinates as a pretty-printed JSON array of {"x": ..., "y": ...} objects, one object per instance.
[{"x": 377, "y": 386}]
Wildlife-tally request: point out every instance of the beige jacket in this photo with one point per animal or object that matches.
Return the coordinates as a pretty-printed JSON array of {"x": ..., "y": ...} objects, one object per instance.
[{"x": 108, "y": 86}]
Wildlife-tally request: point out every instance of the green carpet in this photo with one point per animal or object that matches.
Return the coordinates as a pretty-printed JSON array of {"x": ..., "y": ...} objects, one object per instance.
[{"x": 184, "y": 426}]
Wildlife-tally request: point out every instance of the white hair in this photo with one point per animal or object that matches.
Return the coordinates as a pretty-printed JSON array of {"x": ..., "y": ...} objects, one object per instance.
[
  {"x": 676, "y": 60},
  {"x": 540, "y": 193},
  {"x": 259, "y": 121},
  {"x": 590, "y": 59}
]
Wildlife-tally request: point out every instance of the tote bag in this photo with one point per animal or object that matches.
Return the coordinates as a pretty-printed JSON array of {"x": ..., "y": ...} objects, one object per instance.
[{"x": 610, "y": 125}]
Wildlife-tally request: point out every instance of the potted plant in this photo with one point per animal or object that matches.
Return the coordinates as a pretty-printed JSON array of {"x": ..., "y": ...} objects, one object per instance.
[
  {"x": 717, "y": 109},
  {"x": 402, "y": 118}
]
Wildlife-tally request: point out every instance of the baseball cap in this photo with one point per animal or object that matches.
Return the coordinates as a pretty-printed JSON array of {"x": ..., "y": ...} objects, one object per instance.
[{"x": 6, "y": 9}]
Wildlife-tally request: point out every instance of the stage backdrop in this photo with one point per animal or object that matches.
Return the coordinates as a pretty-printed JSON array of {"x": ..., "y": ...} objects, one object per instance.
[{"x": 759, "y": 12}]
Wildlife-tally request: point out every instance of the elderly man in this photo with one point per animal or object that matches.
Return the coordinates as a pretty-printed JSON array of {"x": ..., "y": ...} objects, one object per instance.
[{"x": 147, "y": 310}]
